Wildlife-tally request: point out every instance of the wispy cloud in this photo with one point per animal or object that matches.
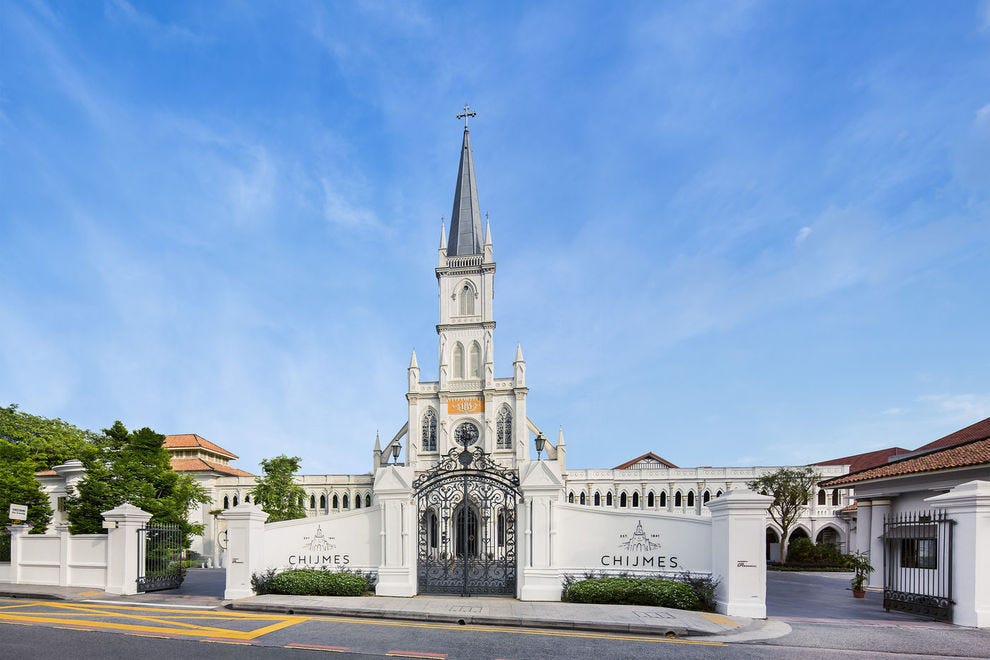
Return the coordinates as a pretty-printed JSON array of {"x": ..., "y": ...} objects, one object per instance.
[{"x": 149, "y": 26}]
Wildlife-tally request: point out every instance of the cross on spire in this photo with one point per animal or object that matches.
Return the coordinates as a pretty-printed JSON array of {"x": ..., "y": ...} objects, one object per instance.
[{"x": 468, "y": 112}]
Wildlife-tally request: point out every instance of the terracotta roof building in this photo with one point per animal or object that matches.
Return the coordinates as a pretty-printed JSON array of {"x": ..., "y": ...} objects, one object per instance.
[
  {"x": 192, "y": 453},
  {"x": 968, "y": 454},
  {"x": 866, "y": 460}
]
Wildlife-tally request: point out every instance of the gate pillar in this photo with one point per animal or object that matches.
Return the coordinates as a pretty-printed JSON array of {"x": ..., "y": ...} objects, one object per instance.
[
  {"x": 542, "y": 488},
  {"x": 245, "y": 548},
  {"x": 394, "y": 493},
  {"x": 968, "y": 505},
  {"x": 124, "y": 552},
  {"x": 739, "y": 523}
]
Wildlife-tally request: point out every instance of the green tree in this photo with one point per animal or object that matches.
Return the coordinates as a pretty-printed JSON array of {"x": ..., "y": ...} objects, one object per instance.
[
  {"x": 277, "y": 492},
  {"x": 48, "y": 442},
  {"x": 133, "y": 466},
  {"x": 18, "y": 485},
  {"x": 791, "y": 490}
]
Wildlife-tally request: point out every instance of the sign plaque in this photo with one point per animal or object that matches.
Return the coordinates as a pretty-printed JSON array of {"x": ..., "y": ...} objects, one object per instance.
[{"x": 18, "y": 512}]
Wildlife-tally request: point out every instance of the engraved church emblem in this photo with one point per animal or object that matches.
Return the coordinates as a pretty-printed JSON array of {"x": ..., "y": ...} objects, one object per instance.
[
  {"x": 639, "y": 541},
  {"x": 320, "y": 543}
]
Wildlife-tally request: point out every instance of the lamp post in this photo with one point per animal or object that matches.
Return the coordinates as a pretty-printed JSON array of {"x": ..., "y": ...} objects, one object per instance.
[
  {"x": 396, "y": 448},
  {"x": 541, "y": 442}
]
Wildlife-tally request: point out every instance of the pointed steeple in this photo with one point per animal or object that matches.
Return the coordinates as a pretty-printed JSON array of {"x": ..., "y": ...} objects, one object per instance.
[
  {"x": 465, "y": 219},
  {"x": 378, "y": 443},
  {"x": 443, "y": 235},
  {"x": 519, "y": 355},
  {"x": 413, "y": 364}
]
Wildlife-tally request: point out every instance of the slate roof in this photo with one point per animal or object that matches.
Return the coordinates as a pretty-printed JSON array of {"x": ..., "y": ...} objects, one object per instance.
[
  {"x": 974, "y": 452},
  {"x": 977, "y": 431},
  {"x": 199, "y": 465},
  {"x": 647, "y": 456},
  {"x": 866, "y": 460},
  {"x": 189, "y": 440},
  {"x": 465, "y": 218}
]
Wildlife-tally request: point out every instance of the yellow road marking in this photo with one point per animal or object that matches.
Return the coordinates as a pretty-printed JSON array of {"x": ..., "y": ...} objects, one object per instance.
[
  {"x": 163, "y": 621},
  {"x": 88, "y": 594},
  {"x": 720, "y": 619}
]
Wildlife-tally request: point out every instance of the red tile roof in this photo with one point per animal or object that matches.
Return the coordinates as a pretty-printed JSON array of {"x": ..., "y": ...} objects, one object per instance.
[
  {"x": 199, "y": 465},
  {"x": 192, "y": 440},
  {"x": 975, "y": 452},
  {"x": 649, "y": 456},
  {"x": 46, "y": 473},
  {"x": 977, "y": 431},
  {"x": 866, "y": 460}
]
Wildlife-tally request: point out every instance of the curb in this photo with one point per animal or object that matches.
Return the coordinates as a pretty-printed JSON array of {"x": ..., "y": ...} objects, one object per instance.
[
  {"x": 515, "y": 622},
  {"x": 33, "y": 595}
]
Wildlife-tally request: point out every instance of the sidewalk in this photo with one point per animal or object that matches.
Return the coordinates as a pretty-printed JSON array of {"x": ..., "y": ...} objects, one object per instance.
[{"x": 505, "y": 612}]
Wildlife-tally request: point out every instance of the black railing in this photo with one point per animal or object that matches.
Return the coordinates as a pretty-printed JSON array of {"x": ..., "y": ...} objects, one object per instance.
[
  {"x": 918, "y": 563},
  {"x": 160, "y": 551}
]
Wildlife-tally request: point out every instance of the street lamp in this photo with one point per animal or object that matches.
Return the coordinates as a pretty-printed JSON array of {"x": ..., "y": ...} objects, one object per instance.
[
  {"x": 396, "y": 448},
  {"x": 541, "y": 442}
]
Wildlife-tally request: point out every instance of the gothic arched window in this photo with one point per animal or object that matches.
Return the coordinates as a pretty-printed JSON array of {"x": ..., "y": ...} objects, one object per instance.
[
  {"x": 707, "y": 496},
  {"x": 608, "y": 499},
  {"x": 691, "y": 498},
  {"x": 622, "y": 500},
  {"x": 247, "y": 498},
  {"x": 458, "y": 360},
  {"x": 835, "y": 497},
  {"x": 821, "y": 497},
  {"x": 570, "y": 498},
  {"x": 235, "y": 500},
  {"x": 336, "y": 501},
  {"x": 346, "y": 501},
  {"x": 635, "y": 500},
  {"x": 226, "y": 502},
  {"x": 677, "y": 499},
  {"x": 466, "y": 301},
  {"x": 663, "y": 500},
  {"x": 598, "y": 498},
  {"x": 367, "y": 500},
  {"x": 312, "y": 501},
  {"x": 430, "y": 430},
  {"x": 651, "y": 500},
  {"x": 475, "y": 361},
  {"x": 504, "y": 429},
  {"x": 357, "y": 502}
]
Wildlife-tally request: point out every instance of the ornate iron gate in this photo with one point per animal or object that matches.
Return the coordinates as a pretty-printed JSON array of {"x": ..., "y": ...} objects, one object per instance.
[
  {"x": 917, "y": 560},
  {"x": 467, "y": 525},
  {"x": 160, "y": 550}
]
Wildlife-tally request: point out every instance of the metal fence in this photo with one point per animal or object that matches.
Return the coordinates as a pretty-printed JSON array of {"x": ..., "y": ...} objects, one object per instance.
[
  {"x": 918, "y": 563},
  {"x": 160, "y": 550}
]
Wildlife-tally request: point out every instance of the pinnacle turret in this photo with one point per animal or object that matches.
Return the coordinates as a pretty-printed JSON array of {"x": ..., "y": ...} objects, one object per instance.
[{"x": 465, "y": 218}]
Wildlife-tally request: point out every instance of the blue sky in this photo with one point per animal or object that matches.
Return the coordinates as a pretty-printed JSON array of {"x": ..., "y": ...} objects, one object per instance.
[{"x": 731, "y": 233}]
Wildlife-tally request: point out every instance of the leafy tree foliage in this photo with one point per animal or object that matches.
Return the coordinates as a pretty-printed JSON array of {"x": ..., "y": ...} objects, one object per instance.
[
  {"x": 48, "y": 442},
  {"x": 277, "y": 492},
  {"x": 133, "y": 466},
  {"x": 791, "y": 490},
  {"x": 19, "y": 486}
]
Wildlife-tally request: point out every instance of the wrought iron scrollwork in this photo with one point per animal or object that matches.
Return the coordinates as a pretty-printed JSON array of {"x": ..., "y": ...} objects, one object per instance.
[{"x": 467, "y": 525}]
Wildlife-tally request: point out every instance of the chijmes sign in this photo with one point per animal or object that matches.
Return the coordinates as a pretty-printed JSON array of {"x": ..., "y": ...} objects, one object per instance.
[{"x": 18, "y": 512}]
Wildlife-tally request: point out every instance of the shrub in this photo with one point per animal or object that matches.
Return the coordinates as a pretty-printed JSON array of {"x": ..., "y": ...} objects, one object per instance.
[
  {"x": 633, "y": 591},
  {"x": 315, "y": 582},
  {"x": 262, "y": 582},
  {"x": 801, "y": 551}
]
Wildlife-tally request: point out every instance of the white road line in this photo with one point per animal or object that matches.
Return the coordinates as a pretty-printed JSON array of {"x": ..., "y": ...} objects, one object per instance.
[{"x": 141, "y": 604}]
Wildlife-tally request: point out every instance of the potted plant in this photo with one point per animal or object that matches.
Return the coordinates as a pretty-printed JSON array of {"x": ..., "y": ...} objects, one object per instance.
[{"x": 859, "y": 562}]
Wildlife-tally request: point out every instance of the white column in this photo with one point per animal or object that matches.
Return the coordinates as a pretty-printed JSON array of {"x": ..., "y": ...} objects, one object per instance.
[
  {"x": 881, "y": 508},
  {"x": 245, "y": 548},
  {"x": 968, "y": 505},
  {"x": 398, "y": 533},
  {"x": 739, "y": 520},
  {"x": 62, "y": 529},
  {"x": 542, "y": 488},
  {"x": 16, "y": 554},
  {"x": 864, "y": 517},
  {"x": 123, "y": 548}
]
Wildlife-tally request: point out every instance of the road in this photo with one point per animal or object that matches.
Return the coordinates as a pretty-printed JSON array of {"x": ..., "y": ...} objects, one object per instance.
[{"x": 60, "y": 629}]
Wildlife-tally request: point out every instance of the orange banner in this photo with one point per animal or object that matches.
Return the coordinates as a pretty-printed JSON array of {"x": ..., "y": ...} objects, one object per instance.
[{"x": 465, "y": 406}]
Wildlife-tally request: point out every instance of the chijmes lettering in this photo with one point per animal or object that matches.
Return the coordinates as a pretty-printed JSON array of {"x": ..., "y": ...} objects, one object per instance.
[
  {"x": 319, "y": 560},
  {"x": 640, "y": 561}
]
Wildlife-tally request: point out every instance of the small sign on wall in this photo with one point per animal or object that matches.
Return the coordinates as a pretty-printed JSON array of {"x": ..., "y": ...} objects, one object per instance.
[
  {"x": 18, "y": 512},
  {"x": 465, "y": 406}
]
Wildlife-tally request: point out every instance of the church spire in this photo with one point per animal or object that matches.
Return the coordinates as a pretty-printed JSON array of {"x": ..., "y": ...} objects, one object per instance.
[{"x": 465, "y": 219}]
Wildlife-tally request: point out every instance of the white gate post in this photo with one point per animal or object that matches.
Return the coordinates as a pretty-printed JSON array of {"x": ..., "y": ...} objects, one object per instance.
[
  {"x": 16, "y": 554},
  {"x": 968, "y": 505},
  {"x": 542, "y": 487},
  {"x": 399, "y": 533},
  {"x": 245, "y": 548},
  {"x": 123, "y": 550},
  {"x": 739, "y": 520}
]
